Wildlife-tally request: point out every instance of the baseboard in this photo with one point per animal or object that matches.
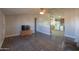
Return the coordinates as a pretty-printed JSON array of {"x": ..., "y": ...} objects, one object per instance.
[
  {"x": 77, "y": 41},
  {"x": 69, "y": 36},
  {"x": 44, "y": 32},
  {"x": 12, "y": 35}
]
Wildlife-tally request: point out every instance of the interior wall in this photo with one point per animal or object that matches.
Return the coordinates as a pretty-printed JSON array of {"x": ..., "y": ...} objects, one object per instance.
[
  {"x": 2, "y": 28},
  {"x": 43, "y": 24},
  {"x": 69, "y": 15},
  {"x": 14, "y": 22},
  {"x": 77, "y": 26}
]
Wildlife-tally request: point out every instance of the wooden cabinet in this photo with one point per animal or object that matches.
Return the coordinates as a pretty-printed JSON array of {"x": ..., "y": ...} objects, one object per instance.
[{"x": 26, "y": 32}]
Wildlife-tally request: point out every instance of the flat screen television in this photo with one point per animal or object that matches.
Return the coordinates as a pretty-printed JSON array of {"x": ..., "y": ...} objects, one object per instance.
[{"x": 25, "y": 27}]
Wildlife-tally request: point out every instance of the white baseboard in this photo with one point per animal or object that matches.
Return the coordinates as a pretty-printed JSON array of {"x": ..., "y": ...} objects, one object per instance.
[
  {"x": 75, "y": 40},
  {"x": 69, "y": 36},
  {"x": 12, "y": 35},
  {"x": 44, "y": 32}
]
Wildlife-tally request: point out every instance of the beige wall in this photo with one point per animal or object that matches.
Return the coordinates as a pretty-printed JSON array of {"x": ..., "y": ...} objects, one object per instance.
[
  {"x": 69, "y": 16},
  {"x": 14, "y": 22},
  {"x": 2, "y": 28}
]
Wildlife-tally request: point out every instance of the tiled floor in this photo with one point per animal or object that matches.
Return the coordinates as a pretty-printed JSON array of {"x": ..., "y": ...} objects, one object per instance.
[{"x": 39, "y": 42}]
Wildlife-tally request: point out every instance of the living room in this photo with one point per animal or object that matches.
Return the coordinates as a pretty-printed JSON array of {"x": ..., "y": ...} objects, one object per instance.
[{"x": 12, "y": 20}]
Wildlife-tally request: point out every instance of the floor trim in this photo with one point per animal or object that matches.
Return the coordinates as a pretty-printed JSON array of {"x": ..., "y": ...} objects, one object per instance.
[
  {"x": 12, "y": 35},
  {"x": 69, "y": 36}
]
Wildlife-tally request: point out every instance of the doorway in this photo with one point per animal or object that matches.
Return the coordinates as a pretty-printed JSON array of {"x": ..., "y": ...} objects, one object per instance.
[{"x": 57, "y": 26}]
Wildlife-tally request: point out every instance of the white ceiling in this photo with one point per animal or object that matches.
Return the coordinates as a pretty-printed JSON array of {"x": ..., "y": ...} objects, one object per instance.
[
  {"x": 16, "y": 11},
  {"x": 13, "y": 11}
]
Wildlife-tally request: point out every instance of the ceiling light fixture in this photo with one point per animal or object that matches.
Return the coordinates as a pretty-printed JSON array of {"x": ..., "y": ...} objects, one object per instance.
[{"x": 42, "y": 11}]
